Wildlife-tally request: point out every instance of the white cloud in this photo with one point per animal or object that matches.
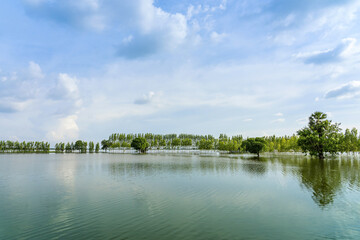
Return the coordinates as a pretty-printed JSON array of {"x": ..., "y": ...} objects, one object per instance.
[
  {"x": 66, "y": 130},
  {"x": 145, "y": 99},
  {"x": 12, "y": 105},
  {"x": 216, "y": 37},
  {"x": 302, "y": 121},
  {"x": 279, "y": 120},
  {"x": 329, "y": 114},
  {"x": 247, "y": 120},
  {"x": 35, "y": 71},
  {"x": 279, "y": 114},
  {"x": 346, "y": 91},
  {"x": 345, "y": 49},
  {"x": 80, "y": 13},
  {"x": 150, "y": 27},
  {"x": 66, "y": 88}
]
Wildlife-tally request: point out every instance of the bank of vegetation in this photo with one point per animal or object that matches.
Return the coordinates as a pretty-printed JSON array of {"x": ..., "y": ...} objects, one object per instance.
[
  {"x": 319, "y": 138},
  {"x": 24, "y": 147}
]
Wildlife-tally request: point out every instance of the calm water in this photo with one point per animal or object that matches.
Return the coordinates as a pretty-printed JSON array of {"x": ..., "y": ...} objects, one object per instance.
[{"x": 115, "y": 196}]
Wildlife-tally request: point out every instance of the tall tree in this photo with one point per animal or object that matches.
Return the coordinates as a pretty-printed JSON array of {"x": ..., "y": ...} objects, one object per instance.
[
  {"x": 320, "y": 136},
  {"x": 97, "y": 148}
]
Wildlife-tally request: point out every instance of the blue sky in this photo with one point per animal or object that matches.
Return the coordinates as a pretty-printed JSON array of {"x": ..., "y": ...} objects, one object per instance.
[{"x": 88, "y": 68}]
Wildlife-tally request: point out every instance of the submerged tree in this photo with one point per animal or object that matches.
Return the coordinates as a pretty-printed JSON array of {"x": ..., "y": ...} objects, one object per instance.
[
  {"x": 105, "y": 144},
  {"x": 91, "y": 147},
  {"x": 140, "y": 144},
  {"x": 320, "y": 136},
  {"x": 97, "y": 148},
  {"x": 254, "y": 145}
]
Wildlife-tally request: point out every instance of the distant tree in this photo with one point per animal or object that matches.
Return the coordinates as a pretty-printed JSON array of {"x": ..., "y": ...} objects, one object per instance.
[
  {"x": 254, "y": 145},
  {"x": 78, "y": 145},
  {"x": 206, "y": 144},
  {"x": 125, "y": 145},
  {"x": 175, "y": 142},
  {"x": 68, "y": 148},
  {"x": 105, "y": 144},
  {"x": 140, "y": 144},
  {"x": 91, "y": 147},
  {"x": 84, "y": 147},
  {"x": 320, "y": 136},
  {"x": 97, "y": 148},
  {"x": 186, "y": 142},
  {"x": 162, "y": 143}
]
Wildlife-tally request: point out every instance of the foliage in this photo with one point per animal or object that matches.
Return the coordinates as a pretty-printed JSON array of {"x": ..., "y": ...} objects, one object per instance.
[
  {"x": 254, "y": 145},
  {"x": 24, "y": 147},
  {"x": 105, "y": 144},
  {"x": 91, "y": 147},
  {"x": 206, "y": 144},
  {"x": 97, "y": 148},
  {"x": 308, "y": 139},
  {"x": 140, "y": 144},
  {"x": 320, "y": 136}
]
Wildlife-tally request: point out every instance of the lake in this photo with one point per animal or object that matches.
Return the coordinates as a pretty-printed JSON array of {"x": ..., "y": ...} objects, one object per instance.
[{"x": 178, "y": 196}]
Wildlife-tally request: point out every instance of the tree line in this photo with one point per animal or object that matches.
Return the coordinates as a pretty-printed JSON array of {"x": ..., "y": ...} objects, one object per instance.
[
  {"x": 318, "y": 138},
  {"x": 79, "y": 146},
  {"x": 24, "y": 147},
  {"x": 321, "y": 136}
]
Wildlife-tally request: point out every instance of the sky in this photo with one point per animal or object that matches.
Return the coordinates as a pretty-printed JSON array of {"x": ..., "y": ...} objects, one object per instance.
[{"x": 88, "y": 68}]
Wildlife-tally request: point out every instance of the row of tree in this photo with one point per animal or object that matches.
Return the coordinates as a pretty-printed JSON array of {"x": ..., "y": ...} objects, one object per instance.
[
  {"x": 321, "y": 136},
  {"x": 24, "y": 147},
  {"x": 78, "y": 146},
  {"x": 349, "y": 141}
]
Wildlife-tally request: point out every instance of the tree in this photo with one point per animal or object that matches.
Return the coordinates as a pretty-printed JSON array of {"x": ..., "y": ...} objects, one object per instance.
[
  {"x": 68, "y": 148},
  {"x": 320, "y": 136},
  {"x": 78, "y": 145},
  {"x": 84, "y": 147},
  {"x": 206, "y": 144},
  {"x": 91, "y": 147},
  {"x": 140, "y": 144},
  {"x": 105, "y": 144},
  {"x": 254, "y": 145},
  {"x": 175, "y": 142},
  {"x": 186, "y": 142},
  {"x": 97, "y": 148}
]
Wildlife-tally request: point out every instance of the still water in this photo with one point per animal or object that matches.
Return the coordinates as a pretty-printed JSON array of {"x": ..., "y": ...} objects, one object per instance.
[{"x": 164, "y": 196}]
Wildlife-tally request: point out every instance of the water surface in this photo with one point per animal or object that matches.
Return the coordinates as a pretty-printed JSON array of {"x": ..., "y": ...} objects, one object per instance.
[{"x": 164, "y": 196}]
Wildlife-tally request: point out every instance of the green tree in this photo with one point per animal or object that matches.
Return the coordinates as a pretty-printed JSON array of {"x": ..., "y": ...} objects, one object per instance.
[
  {"x": 162, "y": 143},
  {"x": 91, "y": 147},
  {"x": 175, "y": 142},
  {"x": 84, "y": 147},
  {"x": 78, "y": 145},
  {"x": 125, "y": 145},
  {"x": 186, "y": 142},
  {"x": 320, "y": 136},
  {"x": 68, "y": 148},
  {"x": 140, "y": 144},
  {"x": 105, "y": 144},
  {"x": 254, "y": 145},
  {"x": 97, "y": 148},
  {"x": 206, "y": 144}
]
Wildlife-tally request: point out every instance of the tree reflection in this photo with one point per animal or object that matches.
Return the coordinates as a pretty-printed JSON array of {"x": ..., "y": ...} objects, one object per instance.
[
  {"x": 325, "y": 179},
  {"x": 255, "y": 166}
]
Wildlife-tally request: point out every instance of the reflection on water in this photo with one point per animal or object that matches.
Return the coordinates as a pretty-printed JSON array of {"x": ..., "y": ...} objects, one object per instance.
[
  {"x": 164, "y": 196},
  {"x": 323, "y": 178},
  {"x": 326, "y": 178}
]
